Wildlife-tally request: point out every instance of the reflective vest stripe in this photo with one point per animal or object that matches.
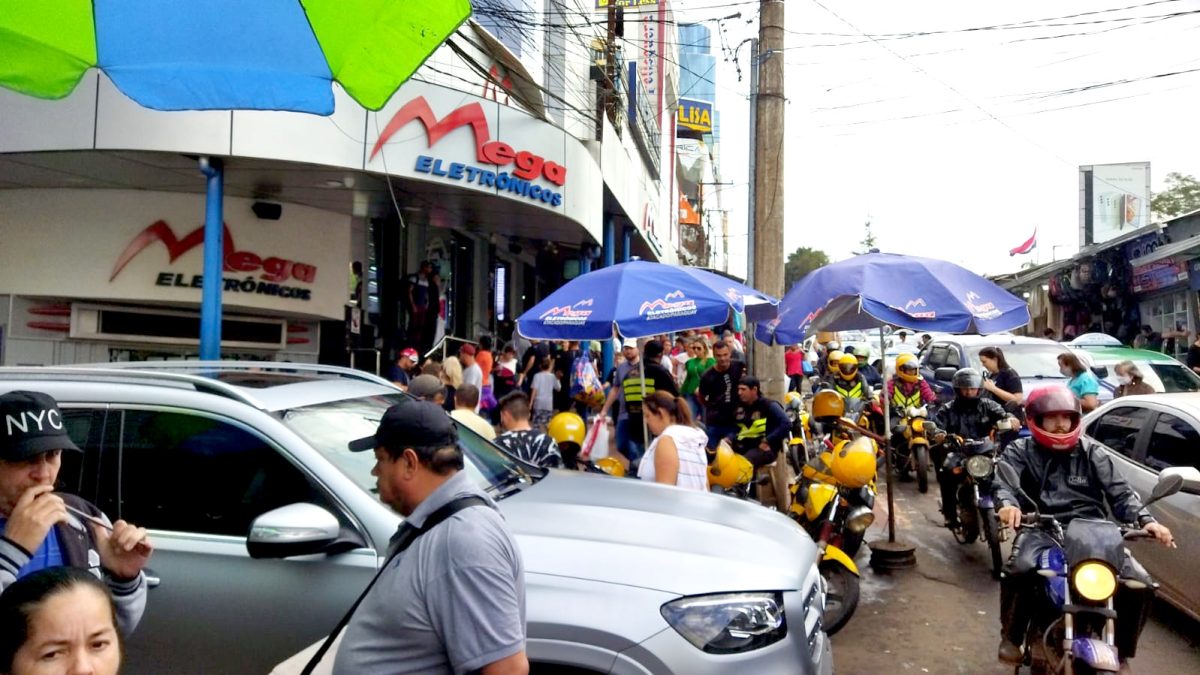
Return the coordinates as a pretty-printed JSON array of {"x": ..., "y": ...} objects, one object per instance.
[
  {"x": 632, "y": 386},
  {"x": 902, "y": 402},
  {"x": 756, "y": 429},
  {"x": 849, "y": 392}
]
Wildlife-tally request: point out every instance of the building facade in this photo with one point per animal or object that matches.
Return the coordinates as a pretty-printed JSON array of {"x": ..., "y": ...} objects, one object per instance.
[{"x": 492, "y": 163}]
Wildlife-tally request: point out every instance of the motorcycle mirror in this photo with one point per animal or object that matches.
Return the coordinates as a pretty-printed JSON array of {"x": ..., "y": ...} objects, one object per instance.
[{"x": 1167, "y": 485}]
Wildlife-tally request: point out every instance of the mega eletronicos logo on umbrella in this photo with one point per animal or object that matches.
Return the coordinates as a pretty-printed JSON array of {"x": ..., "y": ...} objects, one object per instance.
[
  {"x": 567, "y": 315},
  {"x": 982, "y": 310},
  {"x": 672, "y": 304}
]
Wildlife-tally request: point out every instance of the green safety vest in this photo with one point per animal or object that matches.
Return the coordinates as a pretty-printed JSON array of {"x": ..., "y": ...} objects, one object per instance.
[
  {"x": 848, "y": 392},
  {"x": 632, "y": 388},
  {"x": 756, "y": 429},
  {"x": 902, "y": 403}
]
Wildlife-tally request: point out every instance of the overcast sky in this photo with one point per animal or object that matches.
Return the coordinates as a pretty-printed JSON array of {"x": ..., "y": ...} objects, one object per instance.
[{"x": 962, "y": 176}]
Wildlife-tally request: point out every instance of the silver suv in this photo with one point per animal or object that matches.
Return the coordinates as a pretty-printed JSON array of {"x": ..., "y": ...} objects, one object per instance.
[{"x": 267, "y": 527}]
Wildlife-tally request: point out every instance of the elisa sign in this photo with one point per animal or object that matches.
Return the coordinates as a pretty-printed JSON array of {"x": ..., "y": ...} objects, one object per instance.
[
  {"x": 694, "y": 115},
  {"x": 526, "y": 166}
]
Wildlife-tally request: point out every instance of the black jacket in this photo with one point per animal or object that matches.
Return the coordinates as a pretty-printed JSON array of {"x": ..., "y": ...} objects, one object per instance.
[
  {"x": 778, "y": 426},
  {"x": 971, "y": 418},
  {"x": 78, "y": 544},
  {"x": 1071, "y": 484}
]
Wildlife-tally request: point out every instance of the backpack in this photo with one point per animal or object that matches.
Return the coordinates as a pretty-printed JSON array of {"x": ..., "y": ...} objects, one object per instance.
[{"x": 585, "y": 383}]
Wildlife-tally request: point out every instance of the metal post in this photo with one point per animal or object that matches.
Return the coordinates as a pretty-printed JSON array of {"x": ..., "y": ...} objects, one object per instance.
[
  {"x": 753, "y": 168},
  {"x": 887, "y": 434},
  {"x": 214, "y": 258}
]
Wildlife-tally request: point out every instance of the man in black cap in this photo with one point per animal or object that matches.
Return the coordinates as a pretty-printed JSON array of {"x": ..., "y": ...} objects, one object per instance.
[
  {"x": 451, "y": 596},
  {"x": 43, "y": 529}
]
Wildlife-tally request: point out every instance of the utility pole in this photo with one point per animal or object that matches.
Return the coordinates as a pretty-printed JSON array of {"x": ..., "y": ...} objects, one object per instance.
[
  {"x": 753, "y": 167},
  {"x": 767, "y": 227},
  {"x": 607, "y": 82}
]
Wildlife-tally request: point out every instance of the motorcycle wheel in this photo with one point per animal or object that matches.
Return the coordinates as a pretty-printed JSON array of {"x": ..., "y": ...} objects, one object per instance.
[
  {"x": 841, "y": 595},
  {"x": 990, "y": 525},
  {"x": 922, "y": 454}
]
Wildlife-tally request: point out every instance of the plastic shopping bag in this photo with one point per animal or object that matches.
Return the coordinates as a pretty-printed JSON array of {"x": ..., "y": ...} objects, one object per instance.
[{"x": 595, "y": 444}]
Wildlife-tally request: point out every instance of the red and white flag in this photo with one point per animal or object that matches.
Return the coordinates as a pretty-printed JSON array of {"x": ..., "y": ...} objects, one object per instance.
[{"x": 1029, "y": 245}]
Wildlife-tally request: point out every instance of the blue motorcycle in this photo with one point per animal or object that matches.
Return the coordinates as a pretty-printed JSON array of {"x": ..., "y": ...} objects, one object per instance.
[{"x": 1075, "y": 632}]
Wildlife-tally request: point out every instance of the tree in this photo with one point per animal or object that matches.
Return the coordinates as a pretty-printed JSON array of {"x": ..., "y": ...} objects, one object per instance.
[
  {"x": 1181, "y": 196},
  {"x": 802, "y": 261},
  {"x": 868, "y": 241}
]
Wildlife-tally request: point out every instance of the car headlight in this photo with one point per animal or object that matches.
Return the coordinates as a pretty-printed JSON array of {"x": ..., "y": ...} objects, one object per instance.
[
  {"x": 859, "y": 518},
  {"x": 728, "y": 623},
  {"x": 1094, "y": 581},
  {"x": 979, "y": 466}
]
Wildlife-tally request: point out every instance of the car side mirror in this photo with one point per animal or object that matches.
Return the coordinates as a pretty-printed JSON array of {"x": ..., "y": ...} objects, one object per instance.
[
  {"x": 1188, "y": 477},
  {"x": 945, "y": 374},
  {"x": 292, "y": 530}
]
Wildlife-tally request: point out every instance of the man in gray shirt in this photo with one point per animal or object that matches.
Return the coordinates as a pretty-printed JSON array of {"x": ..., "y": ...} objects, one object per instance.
[{"x": 454, "y": 600}]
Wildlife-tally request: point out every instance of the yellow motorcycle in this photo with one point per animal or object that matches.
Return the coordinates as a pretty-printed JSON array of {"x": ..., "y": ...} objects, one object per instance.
[
  {"x": 913, "y": 454},
  {"x": 834, "y": 503}
]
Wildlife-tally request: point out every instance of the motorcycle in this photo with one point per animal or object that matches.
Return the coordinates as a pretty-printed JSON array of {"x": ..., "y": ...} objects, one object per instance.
[
  {"x": 972, "y": 463},
  {"x": 1076, "y": 631},
  {"x": 913, "y": 455},
  {"x": 835, "y": 507}
]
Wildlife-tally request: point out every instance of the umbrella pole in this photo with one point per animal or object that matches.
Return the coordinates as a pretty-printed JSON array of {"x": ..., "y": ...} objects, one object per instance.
[
  {"x": 214, "y": 254},
  {"x": 887, "y": 435},
  {"x": 645, "y": 433}
]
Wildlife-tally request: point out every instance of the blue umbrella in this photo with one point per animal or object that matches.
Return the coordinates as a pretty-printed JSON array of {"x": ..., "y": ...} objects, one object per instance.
[
  {"x": 638, "y": 299},
  {"x": 879, "y": 289}
]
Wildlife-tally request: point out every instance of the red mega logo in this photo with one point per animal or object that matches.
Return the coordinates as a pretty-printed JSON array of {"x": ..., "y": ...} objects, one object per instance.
[
  {"x": 527, "y": 164},
  {"x": 274, "y": 269}
]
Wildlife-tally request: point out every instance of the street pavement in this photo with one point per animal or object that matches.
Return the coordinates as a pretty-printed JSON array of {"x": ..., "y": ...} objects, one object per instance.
[{"x": 943, "y": 615}]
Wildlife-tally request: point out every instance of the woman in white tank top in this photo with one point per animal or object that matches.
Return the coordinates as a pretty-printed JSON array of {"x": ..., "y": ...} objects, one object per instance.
[{"x": 676, "y": 456}]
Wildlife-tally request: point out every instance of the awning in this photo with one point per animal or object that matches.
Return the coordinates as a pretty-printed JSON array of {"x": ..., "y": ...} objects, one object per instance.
[{"x": 1167, "y": 251}]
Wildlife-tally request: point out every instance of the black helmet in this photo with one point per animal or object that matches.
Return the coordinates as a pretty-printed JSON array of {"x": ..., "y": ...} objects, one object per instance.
[{"x": 967, "y": 378}]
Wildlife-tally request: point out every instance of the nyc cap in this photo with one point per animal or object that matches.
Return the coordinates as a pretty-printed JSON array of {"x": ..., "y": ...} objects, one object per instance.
[
  {"x": 413, "y": 424},
  {"x": 32, "y": 425}
]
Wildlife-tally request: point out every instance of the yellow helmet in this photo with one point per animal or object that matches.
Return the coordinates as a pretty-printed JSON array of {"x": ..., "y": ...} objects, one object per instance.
[
  {"x": 828, "y": 403},
  {"x": 792, "y": 399},
  {"x": 854, "y": 462},
  {"x": 907, "y": 362},
  {"x": 611, "y": 466},
  {"x": 729, "y": 468},
  {"x": 833, "y": 357},
  {"x": 848, "y": 365},
  {"x": 567, "y": 427}
]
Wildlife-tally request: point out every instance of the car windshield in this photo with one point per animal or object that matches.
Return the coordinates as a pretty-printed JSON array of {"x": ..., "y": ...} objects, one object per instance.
[
  {"x": 1029, "y": 360},
  {"x": 330, "y": 426}
]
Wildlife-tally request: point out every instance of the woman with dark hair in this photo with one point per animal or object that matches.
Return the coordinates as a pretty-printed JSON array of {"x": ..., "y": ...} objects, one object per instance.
[
  {"x": 57, "y": 621},
  {"x": 1081, "y": 381},
  {"x": 1131, "y": 380},
  {"x": 1002, "y": 384},
  {"x": 676, "y": 456}
]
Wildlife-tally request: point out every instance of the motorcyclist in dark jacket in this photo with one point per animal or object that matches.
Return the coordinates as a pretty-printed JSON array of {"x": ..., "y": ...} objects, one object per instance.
[
  {"x": 762, "y": 424},
  {"x": 969, "y": 417},
  {"x": 1068, "y": 477}
]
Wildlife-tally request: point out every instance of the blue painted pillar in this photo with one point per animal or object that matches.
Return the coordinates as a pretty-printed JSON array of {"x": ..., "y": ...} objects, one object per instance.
[
  {"x": 626, "y": 244},
  {"x": 610, "y": 237},
  {"x": 214, "y": 255},
  {"x": 585, "y": 263}
]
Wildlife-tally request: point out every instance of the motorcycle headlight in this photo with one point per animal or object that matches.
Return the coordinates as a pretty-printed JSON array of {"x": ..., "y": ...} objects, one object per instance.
[
  {"x": 859, "y": 518},
  {"x": 728, "y": 623},
  {"x": 979, "y": 466},
  {"x": 917, "y": 425},
  {"x": 1094, "y": 581}
]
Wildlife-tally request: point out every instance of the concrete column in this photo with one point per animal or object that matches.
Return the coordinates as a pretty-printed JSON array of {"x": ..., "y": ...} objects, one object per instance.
[{"x": 610, "y": 236}]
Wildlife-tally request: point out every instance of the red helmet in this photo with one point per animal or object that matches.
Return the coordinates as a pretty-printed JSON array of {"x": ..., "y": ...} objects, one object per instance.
[{"x": 1053, "y": 399}]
